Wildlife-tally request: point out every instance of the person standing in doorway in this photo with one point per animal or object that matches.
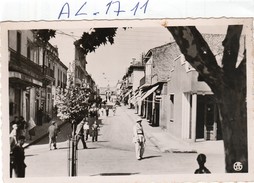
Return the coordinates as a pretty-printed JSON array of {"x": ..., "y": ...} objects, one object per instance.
[
  {"x": 80, "y": 134},
  {"x": 53, "y": 131},
  {"x": 139, "y": 139},
  {"x": 18, "y": 155}
]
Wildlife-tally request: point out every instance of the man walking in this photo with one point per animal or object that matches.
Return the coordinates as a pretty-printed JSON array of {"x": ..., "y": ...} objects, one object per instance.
[
  {"x": 18, "y": 158},
  {"x": 53, "y": 130},
  {"x": 95, "y": 129},
  {"x": 139, "y": 139},
  {"x": 80, "y": 134}
]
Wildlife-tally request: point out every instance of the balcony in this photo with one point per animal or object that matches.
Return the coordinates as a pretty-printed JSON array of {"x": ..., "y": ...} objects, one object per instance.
[
  {"x": 23, "y": 65},
  {"x": 48, "y": 72},
  {"x": 48, "y": 75}
]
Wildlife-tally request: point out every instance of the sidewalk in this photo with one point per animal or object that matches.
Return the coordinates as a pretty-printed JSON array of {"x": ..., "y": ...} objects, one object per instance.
[
  {"x": 41, "y": 132},
  {"x": 166, "y": 142}
]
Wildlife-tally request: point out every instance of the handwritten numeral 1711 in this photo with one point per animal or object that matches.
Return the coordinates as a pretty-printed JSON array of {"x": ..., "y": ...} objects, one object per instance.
[{"x": 137, "y": 6}]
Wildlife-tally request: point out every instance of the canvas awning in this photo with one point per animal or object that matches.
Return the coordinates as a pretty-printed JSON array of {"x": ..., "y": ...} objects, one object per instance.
[
  {"x": 149, "y": 92},
  {"x": 126, "y": 94},
  {"x": 135, "y": 96}
]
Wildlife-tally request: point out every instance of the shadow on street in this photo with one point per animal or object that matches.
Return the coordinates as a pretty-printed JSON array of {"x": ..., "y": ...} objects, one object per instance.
[
  {"x": 115, "y": 174},
  {"x": 149, "y": 157}
]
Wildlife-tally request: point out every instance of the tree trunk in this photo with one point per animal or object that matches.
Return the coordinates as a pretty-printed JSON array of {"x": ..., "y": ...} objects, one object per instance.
[
  {"x": 234, "y": 130},
  {"x": 228, "y": 85}
]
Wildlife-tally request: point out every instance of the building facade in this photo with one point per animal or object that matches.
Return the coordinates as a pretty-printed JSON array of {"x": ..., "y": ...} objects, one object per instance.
[
  {"x": 31, "y": 76},
  {"x": 192, "y": 109},
  {"x": 79, "y": 75},
  {"x": 25, "y": 75}
]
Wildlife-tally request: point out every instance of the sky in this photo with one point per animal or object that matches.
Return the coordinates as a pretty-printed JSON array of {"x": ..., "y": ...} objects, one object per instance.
[{"x": 109, "y": 63}]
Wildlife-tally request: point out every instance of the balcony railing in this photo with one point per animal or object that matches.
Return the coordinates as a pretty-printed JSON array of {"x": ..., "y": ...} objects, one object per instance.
[
  {"x": 48, "y": 72},
  {"x": 24, "y": 65}
]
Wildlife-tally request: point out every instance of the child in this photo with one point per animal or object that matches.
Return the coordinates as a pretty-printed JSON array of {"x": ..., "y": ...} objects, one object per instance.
[{"x": 201, "y": 159}]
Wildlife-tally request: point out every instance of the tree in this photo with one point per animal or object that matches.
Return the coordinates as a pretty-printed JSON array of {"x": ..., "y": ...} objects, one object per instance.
[
  {"x": 44, "y": 35},
  {"x": 73, "y": 102},
  {"x": 89, "y": 42},
  {"x": 228, "y": 84}
]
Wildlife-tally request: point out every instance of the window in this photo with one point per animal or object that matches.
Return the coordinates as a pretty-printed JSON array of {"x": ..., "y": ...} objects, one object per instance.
[
  {"x": 28, "y": 50},
  {"x": 18, "y": 42}
]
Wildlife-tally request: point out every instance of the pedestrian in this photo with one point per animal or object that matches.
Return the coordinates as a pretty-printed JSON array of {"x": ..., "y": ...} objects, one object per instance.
[
  {"x": 95, "y": 129},
  {"x": 13, "y": 143},
  {"x": 107, "y": 110},
  {"x": 201, "y": 159},
  {"x": 102, "y": 111},
  {"x": 139, "y": 139},
  {"x": 53, "y": 131},
  {"x": 80, "y": 134},
  {"x": 15, "y": 121},
  {"x": 31, "y": 128},
  {"x": 86, "y": 128},
  {"x": 18, "y": 158}
]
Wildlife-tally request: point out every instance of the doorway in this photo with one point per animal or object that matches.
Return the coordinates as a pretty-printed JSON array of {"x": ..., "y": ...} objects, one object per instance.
[{"x": 208, "y": 125}]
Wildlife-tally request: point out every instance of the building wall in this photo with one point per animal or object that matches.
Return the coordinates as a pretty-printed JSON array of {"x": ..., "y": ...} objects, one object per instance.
[
  {"x": 183, "y": 80},
  {"x": 25, "y": 35},
  {"x": 137, "y": 75},
  {"x": 148, "y": 71}
]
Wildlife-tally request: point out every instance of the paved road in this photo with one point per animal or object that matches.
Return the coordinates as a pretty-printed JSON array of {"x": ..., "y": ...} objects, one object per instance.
[{"x": 113, "y": 154}]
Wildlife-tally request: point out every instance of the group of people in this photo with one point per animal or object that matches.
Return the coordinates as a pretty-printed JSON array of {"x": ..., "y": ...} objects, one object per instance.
[
  {"x": 83, "y": 131},
  {"x": 21, "y": 127},
  {"x": 17, "y": 139},
  {"x": 106, "y": 109}
]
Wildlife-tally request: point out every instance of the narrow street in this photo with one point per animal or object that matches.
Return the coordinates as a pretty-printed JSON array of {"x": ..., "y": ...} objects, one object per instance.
[{"x": 113, "y": 154}]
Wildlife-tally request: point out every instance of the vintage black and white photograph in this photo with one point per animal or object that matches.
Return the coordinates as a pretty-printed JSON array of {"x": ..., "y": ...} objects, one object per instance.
[{"x": 127, "y": 100}]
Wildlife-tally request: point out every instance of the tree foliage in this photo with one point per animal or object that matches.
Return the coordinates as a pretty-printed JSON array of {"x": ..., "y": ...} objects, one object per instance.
[
  {"x": 89, "y": 42},
  {"x": 44, "y": 35},
  {"x": 73, "y": 102}
]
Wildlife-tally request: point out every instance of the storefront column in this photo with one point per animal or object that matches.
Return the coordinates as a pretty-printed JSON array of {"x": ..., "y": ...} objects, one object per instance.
[
  {"x": 32, "y": 103},
  {"x": 193, "y": 117},
  {"x": 23, "y": 100}
]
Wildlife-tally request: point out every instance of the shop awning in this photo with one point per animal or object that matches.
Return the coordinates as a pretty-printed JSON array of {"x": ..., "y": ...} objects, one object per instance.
[
  {"x": 136, "y": 96},
  {"x": 149, "y": 92},
  {"x": 126, "y": 94}
]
